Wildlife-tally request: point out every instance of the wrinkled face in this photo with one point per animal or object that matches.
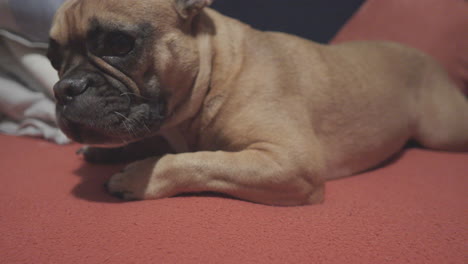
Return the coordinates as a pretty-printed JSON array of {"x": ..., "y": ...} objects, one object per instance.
[{"x": 120, "y": 65}]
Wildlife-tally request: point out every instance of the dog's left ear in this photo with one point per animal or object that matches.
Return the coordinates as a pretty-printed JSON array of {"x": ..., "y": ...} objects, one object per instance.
[{"x": 189, "y": 8}]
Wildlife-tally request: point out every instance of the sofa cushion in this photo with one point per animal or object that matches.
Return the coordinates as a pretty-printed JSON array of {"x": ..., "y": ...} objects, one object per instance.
[
  {"x": 54, "y": 209},
  {"x": 440, "y": 28}
]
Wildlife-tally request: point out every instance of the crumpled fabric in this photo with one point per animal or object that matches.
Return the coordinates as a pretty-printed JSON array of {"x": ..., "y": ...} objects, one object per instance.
[
  {"x": 28, "y": 18},
  {"x": 27, "y": 106}
]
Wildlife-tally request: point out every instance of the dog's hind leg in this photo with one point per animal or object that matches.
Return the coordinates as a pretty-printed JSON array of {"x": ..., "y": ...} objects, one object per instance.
[{"x": 442, "y": 119}]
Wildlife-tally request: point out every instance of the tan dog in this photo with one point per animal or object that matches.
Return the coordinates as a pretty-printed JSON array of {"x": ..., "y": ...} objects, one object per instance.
[{"x": 262, "y": 116}]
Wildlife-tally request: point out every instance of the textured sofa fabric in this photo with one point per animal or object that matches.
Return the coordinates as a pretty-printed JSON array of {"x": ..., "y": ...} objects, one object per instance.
[
  {"x": 440, "y": 28},
  {"x": 54, "y": 209}
]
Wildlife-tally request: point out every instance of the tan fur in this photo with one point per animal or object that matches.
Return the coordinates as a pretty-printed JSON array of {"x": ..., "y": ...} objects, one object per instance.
[{"x": 268, "y": 117}]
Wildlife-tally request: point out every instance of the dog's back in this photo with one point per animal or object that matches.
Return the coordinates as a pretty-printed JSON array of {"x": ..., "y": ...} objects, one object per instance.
[{"x": 365, "y": 99}]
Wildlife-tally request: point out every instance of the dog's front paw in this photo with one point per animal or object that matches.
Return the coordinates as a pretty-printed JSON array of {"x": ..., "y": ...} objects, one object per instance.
[{"x": 132, "y": 183}]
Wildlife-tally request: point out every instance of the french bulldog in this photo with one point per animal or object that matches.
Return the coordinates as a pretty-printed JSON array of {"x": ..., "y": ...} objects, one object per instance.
[{"x": 221, "y": 107}]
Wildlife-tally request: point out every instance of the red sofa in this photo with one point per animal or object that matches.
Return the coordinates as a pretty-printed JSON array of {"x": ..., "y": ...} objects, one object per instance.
[{"x": 54, "y": 208}]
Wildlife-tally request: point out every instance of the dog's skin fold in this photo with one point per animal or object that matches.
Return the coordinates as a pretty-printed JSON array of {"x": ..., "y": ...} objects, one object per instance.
[{"x": 219, "y": 106}]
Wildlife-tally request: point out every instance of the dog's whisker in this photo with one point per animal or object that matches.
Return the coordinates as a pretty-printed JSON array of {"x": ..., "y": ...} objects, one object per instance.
[
  {"x": 126, "y": 119},
  {"x": 123, "y": 140},
  {"x": 129, "y": 129},
  {"x": 147, "y": 128},
  {"x": 136, "y": 95}
]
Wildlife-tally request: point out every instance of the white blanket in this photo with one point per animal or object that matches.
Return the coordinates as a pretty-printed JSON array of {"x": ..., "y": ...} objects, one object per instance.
[
  {"x": 26, "y": 76},
  {"x": 26, "y": 98}
]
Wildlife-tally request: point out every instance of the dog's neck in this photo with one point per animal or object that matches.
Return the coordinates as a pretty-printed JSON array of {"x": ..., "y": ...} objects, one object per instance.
[
  {"x": 192, "y": 105},
  {"x": 228, "y": 49},
  {"x": 219, "y": 57}
]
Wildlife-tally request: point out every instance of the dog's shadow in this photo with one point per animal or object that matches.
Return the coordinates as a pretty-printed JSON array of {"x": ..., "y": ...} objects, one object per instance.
[
  {"x": 95, "y": 176},
  {"x": 93, "y": 179}
]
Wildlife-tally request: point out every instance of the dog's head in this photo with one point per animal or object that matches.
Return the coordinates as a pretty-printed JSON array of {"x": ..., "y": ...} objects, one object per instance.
[{"x": 122, "y": 64}]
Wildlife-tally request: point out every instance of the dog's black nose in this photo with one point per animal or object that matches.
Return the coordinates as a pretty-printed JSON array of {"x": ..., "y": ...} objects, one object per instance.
[{"x": 66, "y": 89}]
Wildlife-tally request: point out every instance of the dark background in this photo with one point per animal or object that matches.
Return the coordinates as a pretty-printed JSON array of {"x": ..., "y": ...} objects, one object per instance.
[{"x": 318, "y": 20}]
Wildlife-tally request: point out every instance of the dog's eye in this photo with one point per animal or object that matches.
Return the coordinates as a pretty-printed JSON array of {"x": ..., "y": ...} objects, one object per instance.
[{"x": 118, "y": 44}]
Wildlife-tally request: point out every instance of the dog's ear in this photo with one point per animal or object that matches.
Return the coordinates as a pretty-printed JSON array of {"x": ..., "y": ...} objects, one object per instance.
[{"x": 189, "y": 8}]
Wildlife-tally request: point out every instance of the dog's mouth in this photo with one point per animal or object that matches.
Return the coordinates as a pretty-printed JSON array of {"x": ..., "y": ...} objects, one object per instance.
[{"x": 106, "y": 116}]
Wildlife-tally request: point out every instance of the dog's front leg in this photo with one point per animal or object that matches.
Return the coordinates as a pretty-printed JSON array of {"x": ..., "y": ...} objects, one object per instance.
[{"x": 252, "y": 174}]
